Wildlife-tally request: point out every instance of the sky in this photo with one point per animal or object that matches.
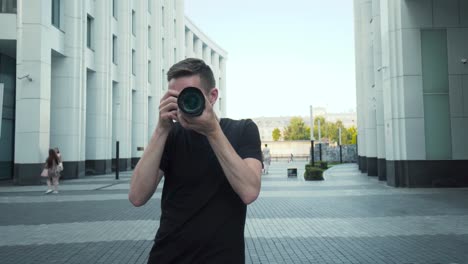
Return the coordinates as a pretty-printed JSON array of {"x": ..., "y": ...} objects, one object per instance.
[{"x": 283, "y": 56}]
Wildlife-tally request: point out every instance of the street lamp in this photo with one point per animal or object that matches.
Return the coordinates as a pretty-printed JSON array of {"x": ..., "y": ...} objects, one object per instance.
[
  {"x": 320, "y": 140},
  {"x": 312, "y": 137},
  {"x": 339, "y": 142}
]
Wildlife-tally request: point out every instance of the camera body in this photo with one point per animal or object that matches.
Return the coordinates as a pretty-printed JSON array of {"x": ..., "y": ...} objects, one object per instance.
[{"x": 191, "y": 101}]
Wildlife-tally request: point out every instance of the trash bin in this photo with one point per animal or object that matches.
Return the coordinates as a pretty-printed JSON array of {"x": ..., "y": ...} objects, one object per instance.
[{"x": 292, "y": 172}]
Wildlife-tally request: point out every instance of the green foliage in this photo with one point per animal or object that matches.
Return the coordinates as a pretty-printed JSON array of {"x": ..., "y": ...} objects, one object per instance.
[
  {"x": 313, "y": 173},
  {"x": 331, "y": 131},
  {"x": 296, "y": 130},
  {"x": 321, "y": 164},
  {"x": 276, "y": 134}
]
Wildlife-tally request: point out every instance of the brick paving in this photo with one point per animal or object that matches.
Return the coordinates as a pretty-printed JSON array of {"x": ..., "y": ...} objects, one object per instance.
[{"x": 348, "y": 218}]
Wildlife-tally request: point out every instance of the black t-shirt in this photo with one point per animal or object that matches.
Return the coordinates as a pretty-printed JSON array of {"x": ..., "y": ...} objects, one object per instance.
[{"x": 202, "y": 218}]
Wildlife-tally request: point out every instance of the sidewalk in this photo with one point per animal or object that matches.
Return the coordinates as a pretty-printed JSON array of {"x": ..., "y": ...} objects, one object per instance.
[{"x": 348, "y": 218}]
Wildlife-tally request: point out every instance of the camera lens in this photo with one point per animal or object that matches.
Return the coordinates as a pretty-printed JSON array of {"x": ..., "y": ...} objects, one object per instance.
[{"x": 191, "y": 101}]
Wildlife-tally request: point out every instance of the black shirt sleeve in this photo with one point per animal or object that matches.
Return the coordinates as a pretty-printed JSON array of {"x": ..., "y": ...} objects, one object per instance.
[{"x": 249, "y": 144}]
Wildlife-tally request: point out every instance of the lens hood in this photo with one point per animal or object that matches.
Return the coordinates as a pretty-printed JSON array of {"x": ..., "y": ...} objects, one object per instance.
[{"x": 191, "y": 101}]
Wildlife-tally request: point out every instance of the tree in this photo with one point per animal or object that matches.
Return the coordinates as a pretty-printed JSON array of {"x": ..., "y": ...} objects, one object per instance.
[
  {"x": 353, "y": 135},
  {"x": 296, "y": 130},
  {"x": 331, "y": 131},
  {"x": 276, "y": 134}
]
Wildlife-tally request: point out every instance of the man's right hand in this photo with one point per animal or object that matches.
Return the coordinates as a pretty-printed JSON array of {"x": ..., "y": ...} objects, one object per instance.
[{"x": 168, "y": 110}]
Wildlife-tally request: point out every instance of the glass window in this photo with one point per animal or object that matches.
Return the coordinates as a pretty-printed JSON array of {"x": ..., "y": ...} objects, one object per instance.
[
  {"x": 90, "y": 35},
  {"x": 150, "y": 5},
  {"x": 437, "y": 123},
  {"x": 163, "y": 80},
  {"x": 162, "y": 48},
  {"x": 133, "y": 23},
  {"x": 149, "y": 36},
  {"x": 114, "y": 49},
  {"x": 162, "y": 16},
  {"x": 133, "y": 62},
  {"x": 114, "y": 8},
  {"x": 56, "y": 13},
  {"x": 149, "y": 71},
  {"x": 8, "y": 6}
]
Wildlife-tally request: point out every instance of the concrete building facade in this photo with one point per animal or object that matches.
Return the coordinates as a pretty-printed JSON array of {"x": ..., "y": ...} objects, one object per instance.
[
  {"x": 82, "y": 75},
  {"x": 412, "y": 91}
]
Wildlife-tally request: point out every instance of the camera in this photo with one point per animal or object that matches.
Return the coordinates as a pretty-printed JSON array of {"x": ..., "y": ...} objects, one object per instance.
[{"x": 191, "y": 101}]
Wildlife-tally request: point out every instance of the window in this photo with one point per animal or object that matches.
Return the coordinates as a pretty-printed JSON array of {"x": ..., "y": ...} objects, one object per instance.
[
  {"x": 149, "y": 71},
  {"x": 90, "y": 35},
  {"x": 55, "y": 13},
  {"x": 162, "y": 16},
  {"x": 175, "y": 29},
  {"x": 162, "y": 48},
  {"x": 175, "y": 55},
  {"x": 133, "y": 23},
  {"x": 114, "y": 49},
  {"x": 114, "y": 8},
  {"x": 8, "y": 6},
  {"x": 133, "y": 62},
  {"x": 149, "y": 36},
  {"x": 163, "y": 80},
  {"x": 150, "y": 6}
]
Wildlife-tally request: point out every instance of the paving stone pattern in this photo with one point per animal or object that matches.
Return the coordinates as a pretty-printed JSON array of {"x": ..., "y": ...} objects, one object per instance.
[{"x": 348, "y": 218}]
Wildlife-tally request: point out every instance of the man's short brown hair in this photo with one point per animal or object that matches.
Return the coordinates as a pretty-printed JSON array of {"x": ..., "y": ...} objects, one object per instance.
[{"x": 190, "y": 67}]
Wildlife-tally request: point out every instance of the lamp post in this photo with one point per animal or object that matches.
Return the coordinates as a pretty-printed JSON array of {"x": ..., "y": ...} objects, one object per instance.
[
  {"x": 117, "y": 142},
  {"x": 312, "y": 150},
  {"x": 339, "y": 140},
  {"x": 320, "y": 140}
]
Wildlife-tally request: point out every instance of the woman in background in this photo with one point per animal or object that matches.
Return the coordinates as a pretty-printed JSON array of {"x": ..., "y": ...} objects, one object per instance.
[{"x": 51, "y": 165}]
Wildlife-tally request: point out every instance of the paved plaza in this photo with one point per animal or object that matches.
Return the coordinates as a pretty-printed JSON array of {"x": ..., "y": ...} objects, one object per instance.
[{"x": 348, "y": 218}]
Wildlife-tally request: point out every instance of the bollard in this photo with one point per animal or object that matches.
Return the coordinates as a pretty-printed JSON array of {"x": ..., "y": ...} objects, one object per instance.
[{"x": 117, "y": 160}]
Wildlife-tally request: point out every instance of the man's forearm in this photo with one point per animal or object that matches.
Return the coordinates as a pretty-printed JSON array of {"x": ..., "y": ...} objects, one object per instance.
[
  {"x": 243, "y": 175},
  {"x": 146, "y": 176}
]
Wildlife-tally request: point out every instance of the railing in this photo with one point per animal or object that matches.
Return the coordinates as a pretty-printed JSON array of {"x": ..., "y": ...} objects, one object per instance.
[
  {"x": 8, "y": 6},
  {"x": 288, "y": 158}
]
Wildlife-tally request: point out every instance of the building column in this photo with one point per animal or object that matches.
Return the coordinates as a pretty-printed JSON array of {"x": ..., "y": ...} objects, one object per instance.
[
  {"x": 32, "y": 121},
  {"x": 362, "y": 18},
  {"x": 369, "y": 90},
  {"x": 99, "y": 91},
  {"x": 222, "y": 86},
  {"x": 189, "y": 43},
  {"x": 377, "y": 41},
  {"x": 198, "y": 48},
  {"x": 140, "y": 93},
  {"x": 67, "y": 94},
  {"x": 124, "y": 86}
]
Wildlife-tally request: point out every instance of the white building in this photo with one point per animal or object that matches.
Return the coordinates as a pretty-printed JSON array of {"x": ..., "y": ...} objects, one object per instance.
[
  {"x": 412, "y": 90},
  {"x": 81, "y": 75}
]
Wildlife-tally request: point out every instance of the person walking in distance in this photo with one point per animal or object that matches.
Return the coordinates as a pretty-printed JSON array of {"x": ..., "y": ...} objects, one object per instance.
[
  {"x": 212, "y": 170},
  {"x": 60, "y": 165},
  {"x": 266, "y": 159},
  {"x": 51, "y": 165}
]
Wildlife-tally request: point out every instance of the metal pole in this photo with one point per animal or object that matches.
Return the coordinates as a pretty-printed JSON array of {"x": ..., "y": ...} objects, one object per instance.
[
  {"x": 312, "y": 154},
  {"x": 339, "y": 141},
  {"x": 341, "y": 154},
  {"x": 312, "y": 150},
  {"x": 117, "y": 160},
  {"x": 320, "y": 150}
]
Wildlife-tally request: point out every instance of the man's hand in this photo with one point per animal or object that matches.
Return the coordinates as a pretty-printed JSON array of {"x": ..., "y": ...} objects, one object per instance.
[
  {"x": 168, "y": 110},
  {"x": 205, "y": 124}
]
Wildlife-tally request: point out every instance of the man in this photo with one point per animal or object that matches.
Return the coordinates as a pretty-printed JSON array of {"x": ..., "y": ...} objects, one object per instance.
[
  {"x": 266, "y": 159},
  {"x": 212, "y": 170}
]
